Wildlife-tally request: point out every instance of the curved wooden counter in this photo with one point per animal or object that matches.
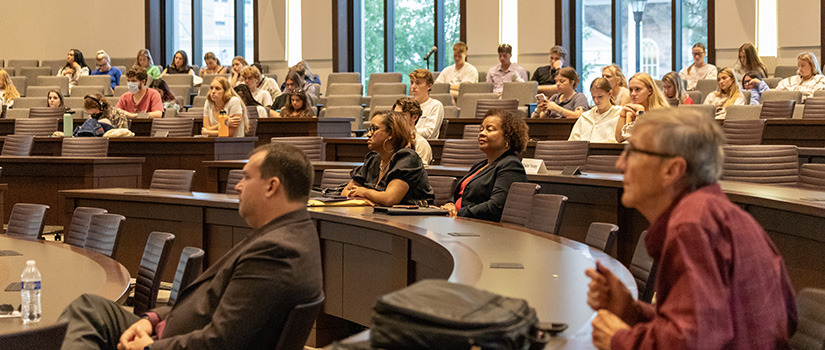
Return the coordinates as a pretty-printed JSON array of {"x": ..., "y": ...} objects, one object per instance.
[{"x": 67, "y": 272}]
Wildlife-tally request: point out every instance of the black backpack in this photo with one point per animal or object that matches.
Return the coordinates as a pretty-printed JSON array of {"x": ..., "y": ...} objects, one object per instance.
[{"x": 436, "y": 314}]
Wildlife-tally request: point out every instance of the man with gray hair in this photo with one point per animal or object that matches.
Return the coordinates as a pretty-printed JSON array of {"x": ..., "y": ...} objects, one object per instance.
[{"x": 720, "y": 281}]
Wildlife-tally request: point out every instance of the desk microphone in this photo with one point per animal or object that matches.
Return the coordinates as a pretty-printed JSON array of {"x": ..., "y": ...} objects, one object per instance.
[{"x": 432, "y": 51}]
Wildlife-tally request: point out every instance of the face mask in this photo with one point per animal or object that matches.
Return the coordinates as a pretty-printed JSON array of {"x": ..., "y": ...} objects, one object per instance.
[{"x": 133, "y": 87}]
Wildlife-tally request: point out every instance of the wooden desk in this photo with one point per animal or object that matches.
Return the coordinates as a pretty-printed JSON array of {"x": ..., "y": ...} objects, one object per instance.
[
  {"x": 164, "y": 152},
  {"x": 67, "y": 273},
  {"x": 37, "y": 179},
  {"x": 540, "y": 129},
  {"x": 366, "y": 255},
  {"x": 287, "y": 127},
  {"x": 800, "y": 132}
]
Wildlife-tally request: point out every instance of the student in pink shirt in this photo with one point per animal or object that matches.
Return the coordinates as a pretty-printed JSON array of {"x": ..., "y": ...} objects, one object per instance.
[{"x": 140, "y": 98}]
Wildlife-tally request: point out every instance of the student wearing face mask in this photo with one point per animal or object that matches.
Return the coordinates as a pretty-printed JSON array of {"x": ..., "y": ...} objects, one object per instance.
[{"x": 140, "y": 98}]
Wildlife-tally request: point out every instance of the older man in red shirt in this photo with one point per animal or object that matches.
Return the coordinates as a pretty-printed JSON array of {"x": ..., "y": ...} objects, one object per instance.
[{"x": 720, "y": 283}]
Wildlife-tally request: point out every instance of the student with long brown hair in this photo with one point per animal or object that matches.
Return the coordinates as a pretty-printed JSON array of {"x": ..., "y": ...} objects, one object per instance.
[
  {"x": 644, "y": 97},
  {"x": 699, "y": 69},
  {"x": 238, "y": 64},
  {"x": 567, "y": 103},
  {"x": 8, "y": 93},
  {"x": 726, "y": 95},
  {"x": 674, "y": 90},
  {"x": 211, "y": 65},
  {"x": 599, "y": 123},
  {"x": 748, "y": 60}
]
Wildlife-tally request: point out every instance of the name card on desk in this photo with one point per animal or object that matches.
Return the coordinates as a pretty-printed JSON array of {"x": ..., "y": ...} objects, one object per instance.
[{"x": 534, "y": 166}]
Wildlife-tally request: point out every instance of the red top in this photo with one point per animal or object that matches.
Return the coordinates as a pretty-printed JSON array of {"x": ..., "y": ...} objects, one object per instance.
[
  {"x": 463, "y": 185},
  {"x": 721, "y": 282},
  {"x": 151, "y": 102}
]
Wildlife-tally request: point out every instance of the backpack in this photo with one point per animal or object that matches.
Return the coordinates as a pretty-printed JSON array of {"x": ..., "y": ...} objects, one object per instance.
[
  {"x": 436, "y": 314},
  {"x": 92, "y": 127}
]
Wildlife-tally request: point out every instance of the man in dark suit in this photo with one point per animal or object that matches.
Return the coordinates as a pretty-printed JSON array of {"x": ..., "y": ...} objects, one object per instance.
[{"x": 244, "y": 299}]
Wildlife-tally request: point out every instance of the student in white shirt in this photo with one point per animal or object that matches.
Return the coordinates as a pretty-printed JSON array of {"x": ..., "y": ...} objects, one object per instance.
[
  {"x": 699, "y": 69},
  {"x": 411, "y": 110},
  {"x": 808, "y": 79},
  {"x": 727, "y": 94},
  {"x": 460, "y": 72},
  {"x": 432, "y": 111},
  {"x": 599, "y": 123}
]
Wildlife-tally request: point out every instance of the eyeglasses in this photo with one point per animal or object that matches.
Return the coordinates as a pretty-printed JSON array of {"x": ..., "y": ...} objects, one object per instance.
[
  {"x": 698, "y": 53},
  {"x": 630, "y": 149},
  {"x": 373, "y": 129}
]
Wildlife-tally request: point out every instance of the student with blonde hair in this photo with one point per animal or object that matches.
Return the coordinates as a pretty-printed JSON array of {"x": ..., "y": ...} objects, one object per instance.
[
  {"x": 620, "y": 95},
  {"x": 263, "y": 88},
  {"x": 8, "y": 93},
  {"x": 211, "y": 65},
  {"x": 674, "y": 90},
  {"x": 644, "y": 97},
  {"x": 238, "y": 64},
  {"x": 727, "y": 94},
  {"x": 748, "y": 60},
  {"x": 223, "y": 98},
  {"x": 104, "y": 67},
  {"x": 599, "y": 123},
  {"x": 808, "y": 79},
  {"x": 699, "y": 69},
  {"x": 460, "y": 72}
]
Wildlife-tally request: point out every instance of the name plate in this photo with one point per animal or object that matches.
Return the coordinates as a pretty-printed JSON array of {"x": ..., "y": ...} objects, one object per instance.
[{"x": 534, "y": 166}]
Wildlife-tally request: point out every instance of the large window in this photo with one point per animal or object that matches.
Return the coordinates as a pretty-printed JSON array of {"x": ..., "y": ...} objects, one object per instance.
[
  {"x": 224, "y": 27},
  {"x": 414, "y": 35}
]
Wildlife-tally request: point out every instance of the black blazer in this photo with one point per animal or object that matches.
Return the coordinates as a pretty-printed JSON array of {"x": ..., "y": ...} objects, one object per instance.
[{"x": 486, "y": 193}]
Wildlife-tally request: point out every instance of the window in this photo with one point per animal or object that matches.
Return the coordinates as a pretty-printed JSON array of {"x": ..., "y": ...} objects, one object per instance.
[
  {"x": 182, "y": 28},
  {"x": 597, "y": 48},
  {"x": 694, "y": 28},
  {"x": 650, "y": 58},
  {"x": 223, "y": 27},
  {"x": 452, "y": 29},
  {"x": 414, "y": 36}
]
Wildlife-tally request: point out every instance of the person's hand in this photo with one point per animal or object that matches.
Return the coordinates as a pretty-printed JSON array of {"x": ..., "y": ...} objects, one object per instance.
[
  {"x": 556, "y": 64},
  {"x": 134, "y": 332},
  {"x": 607, "y": 292},
  {"x": 753, "y": 83},
  {"x": 358, "y": 191},
  {"x": 605, "y": 325},
  {"x": 450, "y": 208},
  {"x": 542, "y": 105},
  {"x": 234, "y": 121},
  {"x": 553, "y": 106}
]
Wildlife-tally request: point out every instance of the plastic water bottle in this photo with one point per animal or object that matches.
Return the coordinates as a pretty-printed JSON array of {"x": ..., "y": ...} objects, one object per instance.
[{"x": 30, "y": 293}]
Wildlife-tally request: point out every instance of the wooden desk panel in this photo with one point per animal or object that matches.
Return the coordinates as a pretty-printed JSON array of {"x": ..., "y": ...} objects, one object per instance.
[
  {"x": 800, "y": 132},
  {"x": 287, "y": 127},
  {"x": 540, "y": 129},
  {"x": 38, "y": 179}
]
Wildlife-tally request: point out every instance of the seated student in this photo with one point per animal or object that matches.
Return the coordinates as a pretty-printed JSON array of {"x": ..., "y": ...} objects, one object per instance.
[
  {"x": 727, "y": 94},
  {"x": 252, "y": 78},
  {"x": 432, "y": 111},
  {"x": 392, "y": 173},
  {"x": 211, "y": 65},
  {"x": 74, "y": 68},
  {"x": 250, "y": 102},
  {"x": 293, "y": 82},
  {"x": 748, "y": 60},
  {"x": 808, "y": 79},
  {"x": 144, "y": 60},
  {"x": 674, "y": 90},
  {"x": 55, "y": 99},
  {"x": 546, "y": 75},
  {"x": 482, "y": 192},
  {"x": 620, "y": 95},
  {"x": 599, "y": 123},
  {"x": 140, "y": 98},
  {"x": 223, "y": 308},
  {"x": 179, "y": 65},
  {"x": 8, "y": 93},
  {"x": 752, "y": 81},
  {"x": 505, "y": 71},
  {"x": 567, "y": 103},
  {"x": 99, "y": 108},
  {"x": 699, "y": 69},
  {"x": 104, "y": 67},
  {"x": 460, "y": 72},
  {"x": 307, "y": 77},
  {"x": 411, "y": 110},
  {"x": 166, "y": 95},
  {"x": 238, "y": 64},
  {"x": 222, "y": 98},
  {"x": 644, "y": 97},
  {"x": 298, "y": 106}
]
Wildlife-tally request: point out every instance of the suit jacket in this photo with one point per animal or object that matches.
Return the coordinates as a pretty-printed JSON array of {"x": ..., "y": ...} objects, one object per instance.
[
  {"x": 485, "y": 194},
  {"x": 243, "y": 300}
]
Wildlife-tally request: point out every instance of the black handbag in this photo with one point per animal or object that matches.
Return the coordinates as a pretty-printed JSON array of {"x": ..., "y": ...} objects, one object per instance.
[{"x": 436, "y": 314}]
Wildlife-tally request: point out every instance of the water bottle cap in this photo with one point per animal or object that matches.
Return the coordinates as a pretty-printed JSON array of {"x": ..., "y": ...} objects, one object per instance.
[{"x": 29, "y": 263}]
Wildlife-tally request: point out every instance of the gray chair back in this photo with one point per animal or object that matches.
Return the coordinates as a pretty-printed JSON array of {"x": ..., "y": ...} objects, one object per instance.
[
  {"x": 299, "y": 325},
  {"x": 78, "y": 228},
  {"x": 741, "y": 112},
  {"x": 443, "y": 187},
  {"x": 207, "y": 78},
  {"x": 461, "y": 153},
  {"x": 811, "y": 315},
  {"x": 18, "y": 145},
  {"x": 104, "y": 233},
  {"x": 200, "y": 101},
  {"x": 344, "y": 78},
  {"x": 781, "y": 95},
  {"x": 518, "y": 203},
  {"x": 32, "y": 72},
  {"x": 445, "y": 99},
  {"x": 765, "y": 164},
  {"x": 46, "y": 112},
  {"x": 440, "y": 88},
  {"x": 177, "y": 127},
  {"x": 643, "y": 270},
  {"x": 35, "y": 127},
  {"x": 47, "y": 80},
  {"x": 104, "y": 81},
  {"x": 559, "y": 154},
  {"x": 706, "y": 86},
  {"x": 814, "y": 108},
  {"x": 483, "y": 106},
  {"x": 602, "y": 236},
  {"x": 468, "y": 103},
  {"x": 474, "y": 88},
  {"x": 471, "y": 131},
  {"x": 389, "y": 89},
  {"x": 233, "y": 178},
  {"x": 743, "y": 132},
  {"x": 343, "y": 100},
  {"x": 332, "y": 178},
  {"x": 74, "y": 102},
  {"x": 26, "y": 220},
  {"x": 30, "y": 102},
  {"x": 47, "y": 337},
  {"x": 812, "y": 176},
  {"x": 345, "y": 89},
  {"x": 40, "y": 91},
  {"x": 777, "y": 109},
  {"x": 449, "y": 112},
  {"x": 354, "y": 112},
  {"x": 172, "y": 180},
  {"x": 20, "y": 83},
  {"x": 312, "y": 146},
  {"x": 383, "y": 100},
  {"x": 696, "y": 96},
  {"x": 152, "y": 263},
  {"x": 546, "y": 213},
  {"x": 784, "y": 71},
  {"x": 602, "y": 164},
  {"x": 85, "y": 147},
  {"x": 376, "y": 78},
  {"x": 190, "y": 265},
  {"x": 179, "y": 79},
  {"x": 772, "y": 82},
  {"x": 55, "y": 65},
  {"x": 524, "y": 92}
]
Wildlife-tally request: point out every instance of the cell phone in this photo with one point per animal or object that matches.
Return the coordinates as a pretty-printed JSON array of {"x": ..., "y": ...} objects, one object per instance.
[{"x": 541, "y": 97}]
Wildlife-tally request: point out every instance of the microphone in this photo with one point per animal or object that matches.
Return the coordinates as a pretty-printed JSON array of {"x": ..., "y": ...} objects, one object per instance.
[{"x": 432, "y": 51}]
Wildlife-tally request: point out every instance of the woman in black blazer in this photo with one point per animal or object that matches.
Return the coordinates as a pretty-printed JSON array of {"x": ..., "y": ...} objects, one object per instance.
[{"x": 482, "y": 192}]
